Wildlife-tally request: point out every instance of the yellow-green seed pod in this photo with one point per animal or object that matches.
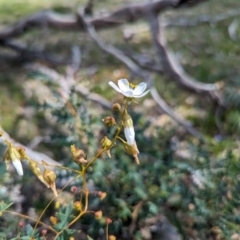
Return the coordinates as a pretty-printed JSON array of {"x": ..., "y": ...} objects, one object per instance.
[
  {"x": 79, "y": 156},
  {"x": 49, "y": 176},
  {"x": 109, "y": 121},
  {"x": 98, "y": 214},
  {"x": 35, "y": 168},
  {"x": 78, "y": 206},
  {"x": 106, "y": 143},
  {"x": 116, "y": 107}
]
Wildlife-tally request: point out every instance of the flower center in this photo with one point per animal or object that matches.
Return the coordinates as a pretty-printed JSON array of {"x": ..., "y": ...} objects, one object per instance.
[{"x": 132, "y": 86}]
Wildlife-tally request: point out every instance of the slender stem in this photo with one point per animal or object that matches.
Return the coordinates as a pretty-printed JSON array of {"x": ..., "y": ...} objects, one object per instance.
[
  {"x": 51, "y": 202},
  {"x": 33, "y": 219},
  {"x": 62, "y": 167},
  {"x": 121, "y": 139},
  {"x": 78, "y": 120},
  {"x": 107, "y": 232},
  {"x": 92, "y": 161},
  {"x": 81, "y": 213}
]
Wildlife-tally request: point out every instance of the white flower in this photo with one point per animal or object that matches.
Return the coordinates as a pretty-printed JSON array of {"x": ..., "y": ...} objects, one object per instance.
[
  {"x": 12, "y": 155},
  {"x": 128, "y": 128},
  {"x": 129, "y": 135},
  {"x": 18, "y": 166},
  {"x": 129, "y": 90}
]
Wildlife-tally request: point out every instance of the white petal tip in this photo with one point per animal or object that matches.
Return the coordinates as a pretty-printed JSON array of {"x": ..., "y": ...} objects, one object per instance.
[
  {"x": 142, "y": 95},
  {"x": 18, "y": 166}
]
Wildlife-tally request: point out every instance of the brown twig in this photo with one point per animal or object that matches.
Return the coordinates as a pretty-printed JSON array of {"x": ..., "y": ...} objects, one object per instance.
[
  {"x": 203, "y": 19},
  {"x": 24, "y": 53},
  {"x": 66, "y": 83},
  {"x": 123, "y": 15},
  {"x": 134, "y": 215},
  {"x": 172, "y": 68},
  {"x": 165, "y": 108}
]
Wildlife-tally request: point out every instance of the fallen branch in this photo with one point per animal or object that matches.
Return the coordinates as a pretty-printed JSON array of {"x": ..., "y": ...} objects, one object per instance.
[
  {"x": 204, "y": 19},
  {"x": 173, "y": 69},
  {"x": 165, "y": 108},
  {"x": 138, "y": 72},
  {"x": 26, "y": 54},
  {"x": 55, "y": 20},
  {"x": 66, "y": 83}
]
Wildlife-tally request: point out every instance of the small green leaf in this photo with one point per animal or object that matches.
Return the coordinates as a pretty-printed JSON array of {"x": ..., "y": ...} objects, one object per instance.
[
  {"x": 29, "y": 230},
  {"x": 153, "y": 208},
  {"x": 4, "y": 206},
  {"x": 64, "y": 216}
]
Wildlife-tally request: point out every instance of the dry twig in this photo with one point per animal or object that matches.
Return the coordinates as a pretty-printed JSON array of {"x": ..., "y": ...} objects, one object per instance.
[
  {"x": 24, "y": 53},
  {"x": 67, "y": 82},
  {"x": 172, "y": 68}
]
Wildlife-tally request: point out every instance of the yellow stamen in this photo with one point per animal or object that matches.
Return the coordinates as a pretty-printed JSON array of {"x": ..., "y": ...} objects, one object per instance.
[{"x": 133, "y": 86}]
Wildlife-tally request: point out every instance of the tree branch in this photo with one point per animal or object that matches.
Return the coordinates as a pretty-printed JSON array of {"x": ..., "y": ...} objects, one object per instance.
[
  {"x": 173, "y": 69},
  {"x": 123, "y": 15},
  {"x": 204, "y": 19},
  {"x": 26, "y": 54}
]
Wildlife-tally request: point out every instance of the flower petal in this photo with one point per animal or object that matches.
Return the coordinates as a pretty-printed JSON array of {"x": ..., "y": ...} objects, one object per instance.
[
  {"x": 112, "y": 84},
  {"x": 143, "y": 94},
  {"x": 129, "y": 135},
  {"x": 140, "y": 89},
  {"x": 18, "y": 166},
  {"x": 123, "y": 85},
  {"x": 128, "y": 93}
]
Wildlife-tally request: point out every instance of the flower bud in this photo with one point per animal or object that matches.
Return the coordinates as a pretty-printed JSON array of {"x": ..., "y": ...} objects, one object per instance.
[
  {"x": 57, "y": 205},
  {"x": 98, "y": 214},
  {"x": 116, "y": 107},
  {"x": 102, "y": 195},
  {"x": 20, "y": 224},
  {"x": 128, "y": 128},
  {"x": 79, "y": 156},
  {"x": 132, "y": 150},
  {"x": 49, "y": 176},
  {"x": 108, "y": 221},
  {"x": 22, "y": 152},
  {"x": 35, "y": 168},
  {"x": 106, "y": 144},
  {"x": 13, "y": 155},
  {"x": 109, "y": 121},
  {"x": 37, "y": 171},
  {"x": 78, "y": 206},
  {"x": 53, "y": 220},
  {"x": 74, "y": 189},
  {"x": 44, "y": 232}
]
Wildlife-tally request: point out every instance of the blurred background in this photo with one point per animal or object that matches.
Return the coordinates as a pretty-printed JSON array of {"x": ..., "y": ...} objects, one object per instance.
[{"x": 187, "y": 128}]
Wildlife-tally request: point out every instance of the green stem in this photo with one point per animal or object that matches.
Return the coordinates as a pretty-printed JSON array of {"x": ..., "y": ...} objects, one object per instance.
[
  {"x": 33, "y": 219},
  {"x": 51, "y": 202},
  {"x": 81, "y": 213}
]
